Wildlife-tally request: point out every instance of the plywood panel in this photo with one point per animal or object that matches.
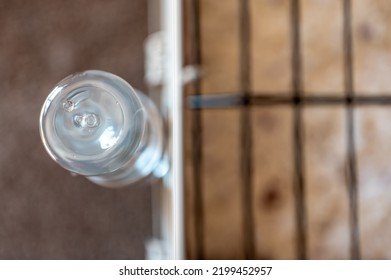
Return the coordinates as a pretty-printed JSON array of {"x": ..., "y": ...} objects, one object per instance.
[
  {"x": 270, "y": 46},
  {"x": 220, "y": 46},
  {"x": 322, "y": 46},
  {"x": 273, "y": 199},
  {"x": 324, "y": 128},
  {"x": 372, "y": 46},
  {"x": 373, "y": 136},
  {"x": 222, "y": 185},
  {"x": 326, "y": 191}
]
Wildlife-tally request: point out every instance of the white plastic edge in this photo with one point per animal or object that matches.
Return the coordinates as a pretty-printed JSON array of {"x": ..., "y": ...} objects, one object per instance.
[{"x": 173, "y": 26}]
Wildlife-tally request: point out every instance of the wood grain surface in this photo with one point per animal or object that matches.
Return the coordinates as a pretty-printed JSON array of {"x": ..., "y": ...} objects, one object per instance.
[{"x": 325, "y": 131}]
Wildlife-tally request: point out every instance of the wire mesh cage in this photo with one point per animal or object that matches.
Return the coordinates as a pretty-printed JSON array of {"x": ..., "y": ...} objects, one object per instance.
[{"x": 239, "y": 227}]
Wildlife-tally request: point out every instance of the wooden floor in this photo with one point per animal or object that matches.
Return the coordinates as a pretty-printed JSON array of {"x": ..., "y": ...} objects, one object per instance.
[{"x": 216, "y": 217}]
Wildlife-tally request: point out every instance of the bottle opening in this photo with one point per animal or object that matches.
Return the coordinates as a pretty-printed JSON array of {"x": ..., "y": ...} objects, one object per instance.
[{"x": 92, "y": 122}]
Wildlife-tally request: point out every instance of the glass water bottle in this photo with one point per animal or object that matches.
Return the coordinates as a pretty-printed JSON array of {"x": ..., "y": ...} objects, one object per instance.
[{"x": 95, "y": 124}]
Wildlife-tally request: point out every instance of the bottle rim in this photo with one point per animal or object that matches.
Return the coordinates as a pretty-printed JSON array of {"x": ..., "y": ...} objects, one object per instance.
[{"x": 129, "y": 136}]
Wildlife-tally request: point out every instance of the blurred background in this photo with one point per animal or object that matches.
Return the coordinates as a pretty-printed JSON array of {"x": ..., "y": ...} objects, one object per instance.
[
  {"x": 44, "y": 212},
  {"x": 304, "y": 171}
]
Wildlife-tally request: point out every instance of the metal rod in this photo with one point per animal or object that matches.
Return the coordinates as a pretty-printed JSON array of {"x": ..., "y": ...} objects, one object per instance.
[
  {"x": 246, "y": 133},
  {"x": 351, "y": 155},
  {"x": 232, "y": 100},
  {"x": 299, "y": 188},
  {"x": 197, "y": 135}
]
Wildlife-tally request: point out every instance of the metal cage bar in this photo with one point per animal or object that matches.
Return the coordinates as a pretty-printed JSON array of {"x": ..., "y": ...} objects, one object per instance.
[
  {"x": 246, "y": 99},
  {"x": 196, "y": 123},
  {"x": 246, "y": 133},
  {"x": 351, "y": 153}
]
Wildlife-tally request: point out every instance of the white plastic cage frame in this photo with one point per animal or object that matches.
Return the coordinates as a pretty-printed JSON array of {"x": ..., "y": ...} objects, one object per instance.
[{"x": 163, "y": 69}]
